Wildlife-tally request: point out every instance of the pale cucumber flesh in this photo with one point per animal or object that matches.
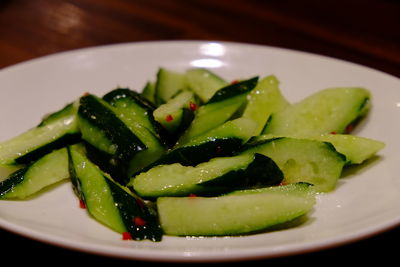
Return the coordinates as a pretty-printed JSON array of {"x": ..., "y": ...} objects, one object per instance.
[
  {"x": 303, "y": 160},
  {"x": 327, "y": 111},
  {"x": 234, "y": 214}
]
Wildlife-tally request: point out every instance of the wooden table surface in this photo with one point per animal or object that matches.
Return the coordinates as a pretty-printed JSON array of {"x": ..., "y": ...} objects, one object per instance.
[{"x": 362, "y": 31}]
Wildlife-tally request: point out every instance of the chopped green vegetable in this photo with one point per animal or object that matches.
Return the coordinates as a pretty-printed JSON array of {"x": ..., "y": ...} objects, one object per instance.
[{"x": 193, "y": 154}]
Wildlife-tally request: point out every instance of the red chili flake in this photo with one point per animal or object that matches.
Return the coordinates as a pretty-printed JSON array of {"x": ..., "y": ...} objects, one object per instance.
[
  {"x": 126, "y": 236},
  {"x": 86, "y": 94},
  {"x": 349, "y": 128},
  {"x": 191, "y": 195},
  {"x": 169, "y": 118},
  {"x": 282, "y": 183},
  {"x": 334, "y": 132},
  {"x": 82, "y": 204},
  {"x": 218, "y": 150},
  {"x": 138, "y": 221},
  {"x": 193, "y": 106},
  {"x": 234, "y": 81}
]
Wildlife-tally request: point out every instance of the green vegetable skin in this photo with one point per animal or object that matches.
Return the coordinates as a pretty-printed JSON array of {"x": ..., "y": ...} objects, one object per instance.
[
  {"x": 303, "y": 160},
  {"x": 219, "y": 175},
  {"x": 171, "y": 115},
  {"x": 108, "y": 202},
  {"x": 55, "y": 131},
  {"x": 236, "y": 213},
  {"x": 356, "y": 149},
  {"x": 265, "y": 99},
  {"x": 44, "y": 172},
  {"x": 219, "y": 109},
  {"x": 327, "y": 111}
]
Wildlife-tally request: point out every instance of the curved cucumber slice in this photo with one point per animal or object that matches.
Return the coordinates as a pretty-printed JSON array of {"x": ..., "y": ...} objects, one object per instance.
[
  {"x": 110, "y": 203},
  {"x": 303, "y": 160},
  {"x": 220, "y": 108},
  {"x": 265, "y": 99},
  {"x": 113, "y": 145},
  {"x": 172, "y": 115},
  {"x": 55, "y": 131},
  {"x": 221, "y": 141},
  {"x": 329, "y": 110},
  {"x": 219, "y": 175},
  {"x": 148, "y": 92},
  {"x": 168, "y": 84},
  {"x": 137, "y": 114},
  {"x": 356, "y": 149},
  {"x": 133, "y": 107},
  {"x": 204, "y": 82},
  {"x": 236, "y": 213},
  {"x": 29, "y": 180}
]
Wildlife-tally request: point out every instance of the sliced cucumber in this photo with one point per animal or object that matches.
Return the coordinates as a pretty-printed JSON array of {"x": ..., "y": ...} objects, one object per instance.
[
  {"x": 110, "y": 203},
  {"x": 204, "y": 83},
  {"x": 177, "y": 113},
  {"x": 40, "y": 174},
  {"x": 356, "y": 149},
  {"x": 242, "y": 128},
  {"x": 149, "y": 91},
  {"x": 222, "y": 141},
  {"x": 55, "y": 131},
  {"x": 111, "y": 143},
  {"x": 219, "y": 175},
  {"x": 327, "y": 111},
  {"x": 168, "y": 84},
  {"x": 136, "y": 114},
  {"x": 218, "y": 109},
  {"x": 234, "y": 214},
  {"x": 303, "y": 160},
  {"x": 133, "y": 108},
  {"x": 265, "y": 99},
  {"x": 67, "y": 111}
]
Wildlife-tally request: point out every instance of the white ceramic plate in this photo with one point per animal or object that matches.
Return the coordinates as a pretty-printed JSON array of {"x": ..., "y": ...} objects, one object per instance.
[{"x": 365, "y": 202}]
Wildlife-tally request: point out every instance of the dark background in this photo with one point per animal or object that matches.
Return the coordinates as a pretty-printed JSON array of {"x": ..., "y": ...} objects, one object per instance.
[{"x": 362, "y": 31}]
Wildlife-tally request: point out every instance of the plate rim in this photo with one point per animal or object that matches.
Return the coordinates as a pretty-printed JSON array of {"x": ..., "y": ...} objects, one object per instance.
[{"x": 192, "y": 42}]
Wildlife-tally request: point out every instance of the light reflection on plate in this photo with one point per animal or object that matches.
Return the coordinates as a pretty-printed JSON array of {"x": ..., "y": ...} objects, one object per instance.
[{"x": 209, "y": 63}]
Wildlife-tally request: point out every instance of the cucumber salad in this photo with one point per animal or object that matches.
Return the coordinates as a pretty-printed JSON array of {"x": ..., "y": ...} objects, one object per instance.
[{"x": 192, "y": 154}]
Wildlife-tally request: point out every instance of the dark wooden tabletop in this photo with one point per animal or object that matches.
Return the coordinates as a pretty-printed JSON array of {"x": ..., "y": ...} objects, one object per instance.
[{"x": 362, "y": 31}]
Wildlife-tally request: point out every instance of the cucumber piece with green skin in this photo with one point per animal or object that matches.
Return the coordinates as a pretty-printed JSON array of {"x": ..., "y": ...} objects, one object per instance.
[
  {"x": 327, "y": 111},
  {"x": 234, "y": 214},
  {"x": 55, "y": 131},
  {"x": 220, "y": 108},
  {"x": 148, "y": 92},
  {"x": 137, "y": 114},
  {"x": 111, "y": 143},
  {"x": 242, "y": 128},
  {"x": 133, "y": 107},
  {"x": 217, "y": 176},
  {"x": 303, "y": 160},
  {"x": 67, "y": 110},
  {"x": 356, "y": 149},
  {"x": 222, "y": 141},
  {"x": 46, "y": 171},
  {"x": 168, "y": 84},
  {"x": 204, "y": 83},
  {"x": 110, "y": 203},
  {"x": 300, "y": 188},
  {"x": 265, "y": 99},
  {"x": 173, "y": 115}
]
